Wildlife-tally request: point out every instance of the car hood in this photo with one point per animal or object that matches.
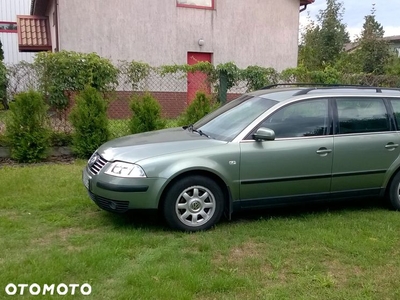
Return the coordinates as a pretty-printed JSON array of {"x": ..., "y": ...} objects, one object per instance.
[{"x": 133, "y": 148}]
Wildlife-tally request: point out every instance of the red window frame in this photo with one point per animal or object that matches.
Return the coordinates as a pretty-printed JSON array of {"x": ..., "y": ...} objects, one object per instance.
[
  {"x": 8, "y": 30},
  {"x": 196, "y": 6}
]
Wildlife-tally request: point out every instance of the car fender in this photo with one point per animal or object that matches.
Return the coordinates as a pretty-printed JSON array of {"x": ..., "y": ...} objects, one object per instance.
[{"x": 228, "y": 173}]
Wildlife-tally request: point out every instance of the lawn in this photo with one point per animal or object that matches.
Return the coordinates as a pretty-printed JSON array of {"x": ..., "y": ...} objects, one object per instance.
[{"x": 51, "y": 233}]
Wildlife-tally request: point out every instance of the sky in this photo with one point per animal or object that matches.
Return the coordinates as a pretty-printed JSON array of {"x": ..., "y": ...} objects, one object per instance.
[{"x": 387, "y": 13}]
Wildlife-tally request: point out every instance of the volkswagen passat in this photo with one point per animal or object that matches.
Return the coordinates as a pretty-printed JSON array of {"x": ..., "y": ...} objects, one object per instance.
[{"x": 270, "y": 147}]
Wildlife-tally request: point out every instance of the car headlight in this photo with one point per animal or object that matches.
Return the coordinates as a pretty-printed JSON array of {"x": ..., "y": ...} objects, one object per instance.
[{"x": 122, "y": 169}]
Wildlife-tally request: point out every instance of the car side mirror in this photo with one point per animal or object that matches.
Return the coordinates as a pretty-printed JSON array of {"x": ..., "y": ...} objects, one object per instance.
[{"x": 264, "y": 134}]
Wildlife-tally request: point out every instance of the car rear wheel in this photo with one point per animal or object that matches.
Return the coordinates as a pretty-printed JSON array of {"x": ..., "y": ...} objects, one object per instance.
[
  {"x": 193, "y": 203},
  {"x": 394, "y": 192}
]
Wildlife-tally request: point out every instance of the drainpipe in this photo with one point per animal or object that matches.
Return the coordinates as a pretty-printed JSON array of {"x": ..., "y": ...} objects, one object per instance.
[
  {"x": 57, "y": 27},
  {"x": 303, "y": 8}
]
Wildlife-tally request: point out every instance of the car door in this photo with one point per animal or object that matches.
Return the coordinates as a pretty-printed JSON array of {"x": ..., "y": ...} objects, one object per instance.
[
  {"x": 365, "y": 145},
  {"x": 296, "y": 165}
]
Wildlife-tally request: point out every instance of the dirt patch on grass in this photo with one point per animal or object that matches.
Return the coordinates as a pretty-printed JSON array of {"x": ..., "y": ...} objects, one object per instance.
[
  {"x": 249, "y": 249},
  {"x": 62, "y": 235},
  {"x": 238, "y": 258},
  {"x": 341, "y": 272}
]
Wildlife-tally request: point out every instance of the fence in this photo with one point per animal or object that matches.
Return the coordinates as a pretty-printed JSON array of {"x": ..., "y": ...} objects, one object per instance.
[
  {"x": 175, "y": 89},
  {"x": 174, "y": 92}
]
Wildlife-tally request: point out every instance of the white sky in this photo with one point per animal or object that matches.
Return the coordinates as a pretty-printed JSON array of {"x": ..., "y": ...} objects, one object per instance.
[{"x": 387, "y": 13}]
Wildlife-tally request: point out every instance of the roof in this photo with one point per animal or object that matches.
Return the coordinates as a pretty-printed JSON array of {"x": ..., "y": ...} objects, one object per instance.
[
  {"x": 33, "y": 34},
  {"x": 305, "y": 2},
  {"x": 390, "y": 39}
]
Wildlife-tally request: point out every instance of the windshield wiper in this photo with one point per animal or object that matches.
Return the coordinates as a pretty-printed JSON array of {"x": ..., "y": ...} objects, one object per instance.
[
  {"x": 192, "y": 129},
  {"x": 200, "y": 132}
]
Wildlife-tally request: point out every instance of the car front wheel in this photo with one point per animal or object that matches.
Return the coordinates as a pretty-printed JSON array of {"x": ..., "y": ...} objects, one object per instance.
[{"x": 193, "y": 203}]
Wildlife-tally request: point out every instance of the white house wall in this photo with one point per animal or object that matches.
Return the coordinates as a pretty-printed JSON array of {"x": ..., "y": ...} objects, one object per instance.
[
  {"x": 9, "y": 9},
  {"x": 247, "y": 32},
  {"x": 10, "y": 48}
]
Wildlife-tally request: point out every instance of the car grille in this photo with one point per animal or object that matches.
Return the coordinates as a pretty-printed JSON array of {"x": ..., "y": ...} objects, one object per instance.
[
  {"x": 98, "y": 165},
  {"x": 110, "y": 205}
]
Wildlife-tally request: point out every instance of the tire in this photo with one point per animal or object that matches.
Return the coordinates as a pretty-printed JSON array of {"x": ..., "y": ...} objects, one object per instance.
[
  {"x": 193, "y": 203},
  {"x": 394, "y": 192}
]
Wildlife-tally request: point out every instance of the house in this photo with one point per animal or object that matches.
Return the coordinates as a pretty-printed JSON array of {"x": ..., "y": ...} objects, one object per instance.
[
  {"x": 166, "y": 32},
  {"x": 9, "y": 9},
  {"x": 250, "y": 32},
  {"x": 393, "y": 41}
]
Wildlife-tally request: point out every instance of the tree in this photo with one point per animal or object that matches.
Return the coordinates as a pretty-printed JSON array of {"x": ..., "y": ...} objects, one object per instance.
[
  {"x": 27, "y": 128},
  {"x": 323, "y": 42},
  {"x": 89, "y": 118},
  {"x": 373, "y": 49}
]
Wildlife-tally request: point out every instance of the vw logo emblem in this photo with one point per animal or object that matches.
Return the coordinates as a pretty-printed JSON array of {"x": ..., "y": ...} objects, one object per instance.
[
  {"x": 92, "y": 160},
  {"x": 113, "y": 205}
]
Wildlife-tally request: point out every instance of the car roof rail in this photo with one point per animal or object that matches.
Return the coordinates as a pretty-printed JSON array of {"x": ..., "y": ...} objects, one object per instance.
[
  {"x": 311, "y": 84},
  {"x": 377, "y": 89},
  {"x": 324, "y": 85}
]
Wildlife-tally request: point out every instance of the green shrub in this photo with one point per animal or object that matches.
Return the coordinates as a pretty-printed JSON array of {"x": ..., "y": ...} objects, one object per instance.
[
  {"x": 62, "y": 73},
  {"x": 201, "y": 106},
  {"x": 90, "y": 122},
  {"x": 146, "y": 114},
  {"x": 257, "y": 77},
  {"x": 27, "y": 128}
]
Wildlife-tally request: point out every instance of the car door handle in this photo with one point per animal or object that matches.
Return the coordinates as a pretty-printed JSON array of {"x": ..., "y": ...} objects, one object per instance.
[
  {"x": 391, "y": 146},
  {"x": 324, "y": 151}
]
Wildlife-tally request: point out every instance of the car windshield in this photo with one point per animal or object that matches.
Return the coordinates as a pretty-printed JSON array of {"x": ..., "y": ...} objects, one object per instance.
[{"x": 229, "y": 120}]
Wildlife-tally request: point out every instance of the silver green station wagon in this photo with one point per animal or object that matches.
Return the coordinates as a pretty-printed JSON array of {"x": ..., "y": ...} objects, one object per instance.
[{"x": 276, "y": 146}]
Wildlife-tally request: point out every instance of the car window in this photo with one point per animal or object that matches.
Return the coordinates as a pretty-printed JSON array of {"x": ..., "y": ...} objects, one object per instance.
[
  {"x": 231, "y": 119},
  {"x": 396, "y": 110},
  {"x": 306, "y": 118},
  {"x": 359, "y": 115}
]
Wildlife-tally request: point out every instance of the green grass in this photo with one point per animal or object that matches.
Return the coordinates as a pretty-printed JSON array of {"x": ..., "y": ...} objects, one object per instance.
[{"x": 51, "y": 232}]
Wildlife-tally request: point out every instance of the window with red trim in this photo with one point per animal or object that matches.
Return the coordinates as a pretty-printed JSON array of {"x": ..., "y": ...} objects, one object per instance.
[
  {"x": 8, "y": 26},
  {"x": 205, "y": 4}
]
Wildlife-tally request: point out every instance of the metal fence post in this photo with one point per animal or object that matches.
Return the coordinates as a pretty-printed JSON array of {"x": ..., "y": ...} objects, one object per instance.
[{"x": 223, "y": 87}]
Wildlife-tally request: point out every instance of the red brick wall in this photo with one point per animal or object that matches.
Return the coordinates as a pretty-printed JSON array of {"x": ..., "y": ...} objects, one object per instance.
[{"x": 172, "y": 103}]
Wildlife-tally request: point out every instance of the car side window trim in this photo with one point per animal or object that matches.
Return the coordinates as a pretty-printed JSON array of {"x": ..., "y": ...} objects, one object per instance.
[
  {"x": 352, "y": 121},
  {"x": 327, "y": 131}
]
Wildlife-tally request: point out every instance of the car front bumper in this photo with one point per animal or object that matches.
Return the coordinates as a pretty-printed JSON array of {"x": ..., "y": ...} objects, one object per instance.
[{"x": 119, "y": 195}]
